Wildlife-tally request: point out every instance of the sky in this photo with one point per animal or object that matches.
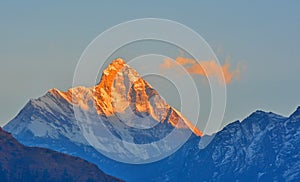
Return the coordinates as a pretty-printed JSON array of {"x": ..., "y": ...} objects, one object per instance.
[{"x": 41, "y": 43}]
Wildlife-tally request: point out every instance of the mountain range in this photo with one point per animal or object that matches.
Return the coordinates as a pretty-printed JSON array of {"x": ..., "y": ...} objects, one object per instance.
[{"x": 264, "y": 146}]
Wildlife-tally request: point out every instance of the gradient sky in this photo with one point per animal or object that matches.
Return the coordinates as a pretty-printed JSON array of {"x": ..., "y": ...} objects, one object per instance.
[{"x": 42, "y": 42}]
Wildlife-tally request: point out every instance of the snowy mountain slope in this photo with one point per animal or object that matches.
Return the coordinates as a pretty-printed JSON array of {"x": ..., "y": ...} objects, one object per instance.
[{"x": 263, "y": 147}]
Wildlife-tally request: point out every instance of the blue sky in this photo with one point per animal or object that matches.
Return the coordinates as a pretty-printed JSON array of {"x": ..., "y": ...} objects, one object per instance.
[{"x": 41, "y": 43}]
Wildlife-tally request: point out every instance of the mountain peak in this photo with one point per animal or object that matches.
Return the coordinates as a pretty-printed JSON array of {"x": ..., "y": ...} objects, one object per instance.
[
  {"x": 118, "y": 61},
  {"x": 117, "y": 71},
  {"x": 122, "y": 91},
  {"x": 114, "y": 66}
]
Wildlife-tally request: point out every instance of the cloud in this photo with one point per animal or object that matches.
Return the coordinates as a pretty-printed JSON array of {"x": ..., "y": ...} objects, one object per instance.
[{"x": 204, "y": 68}]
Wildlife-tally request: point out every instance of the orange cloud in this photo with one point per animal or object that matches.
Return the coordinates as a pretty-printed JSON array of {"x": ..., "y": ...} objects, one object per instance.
[{"x": 204, "y": 68}]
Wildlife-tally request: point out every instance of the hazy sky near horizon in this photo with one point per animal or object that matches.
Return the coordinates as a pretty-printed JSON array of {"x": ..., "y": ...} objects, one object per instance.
[{"x": 41, "y": 43}]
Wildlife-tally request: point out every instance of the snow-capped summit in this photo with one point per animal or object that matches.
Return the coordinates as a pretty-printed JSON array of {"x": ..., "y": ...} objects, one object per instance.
[
  {"x": 125, "y": 104},
  {"x": 123, "y": 92}
]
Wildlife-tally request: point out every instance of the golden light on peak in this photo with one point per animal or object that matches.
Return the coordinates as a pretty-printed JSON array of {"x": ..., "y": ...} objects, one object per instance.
[{"x": 122, "y": 88}]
